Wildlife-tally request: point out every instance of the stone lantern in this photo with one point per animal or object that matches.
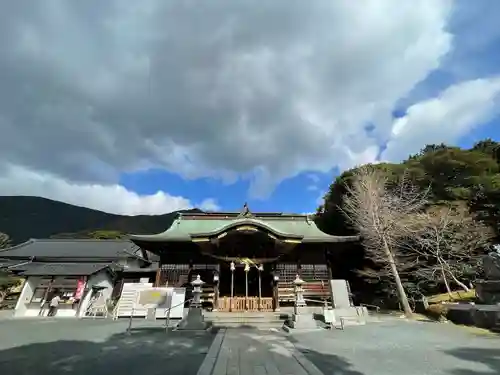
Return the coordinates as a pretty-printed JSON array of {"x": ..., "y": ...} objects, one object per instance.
[
  {"x": 194, "y": 319},
  {"x": 299, "y": 294},
  {"x": 197, "y": 283}
]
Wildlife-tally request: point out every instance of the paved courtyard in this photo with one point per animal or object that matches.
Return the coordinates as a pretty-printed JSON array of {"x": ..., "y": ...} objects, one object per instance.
[{"x": 392, "y": 346}]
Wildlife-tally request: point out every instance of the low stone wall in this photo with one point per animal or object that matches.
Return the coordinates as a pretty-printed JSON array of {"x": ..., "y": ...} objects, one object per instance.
[{"x": 482, "y": 316}]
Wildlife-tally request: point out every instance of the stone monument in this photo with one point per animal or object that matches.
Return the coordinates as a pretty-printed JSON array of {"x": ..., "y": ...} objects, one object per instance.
[{"x": 488, "y": 290}]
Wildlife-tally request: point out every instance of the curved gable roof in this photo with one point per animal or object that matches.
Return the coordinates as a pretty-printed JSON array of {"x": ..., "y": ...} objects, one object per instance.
[{"x": 293, "y": 227}]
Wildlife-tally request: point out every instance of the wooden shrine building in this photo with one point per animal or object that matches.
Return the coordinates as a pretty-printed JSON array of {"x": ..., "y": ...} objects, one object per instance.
[{"x": 247, "y": 260}]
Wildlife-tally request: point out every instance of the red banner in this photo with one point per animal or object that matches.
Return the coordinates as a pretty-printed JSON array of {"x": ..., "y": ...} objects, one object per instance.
[{"x": 79, "y": 289}]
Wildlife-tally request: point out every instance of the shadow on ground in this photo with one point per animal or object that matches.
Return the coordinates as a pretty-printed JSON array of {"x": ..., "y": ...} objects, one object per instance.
[
  {"x": 487, "y": 359},
  {"x": 145, "y": 351},
  {"x": 151, "y": 351},
  {"x": 326, "y": 363}
]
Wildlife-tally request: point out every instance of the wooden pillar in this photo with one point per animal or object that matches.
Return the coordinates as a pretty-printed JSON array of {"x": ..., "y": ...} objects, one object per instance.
[
  {"x": 330, "y": 276},
  {"x": 216, "y": 291},
  {"x": 276, "y": 300},
  {"x": 158, "y": 277}
]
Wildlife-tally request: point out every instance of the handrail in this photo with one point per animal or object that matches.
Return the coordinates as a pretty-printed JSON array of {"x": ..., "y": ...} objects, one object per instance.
[
  {"x": 324, "y": 302},
  {"x": 377, "y": 308},
  {"x": 167, "y": 313},
  {"x": 167, "y": 316}
]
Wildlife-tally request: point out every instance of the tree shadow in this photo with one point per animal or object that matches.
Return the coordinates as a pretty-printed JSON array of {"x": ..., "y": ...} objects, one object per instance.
[
  {"x": 151, "y": 351},
  {"x": 489, "y": 358},
  {"x": 144, "y": 351}
]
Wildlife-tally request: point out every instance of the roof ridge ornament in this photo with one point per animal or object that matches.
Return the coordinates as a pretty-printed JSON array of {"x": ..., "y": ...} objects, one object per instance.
[{"x": 245, "y": 212}]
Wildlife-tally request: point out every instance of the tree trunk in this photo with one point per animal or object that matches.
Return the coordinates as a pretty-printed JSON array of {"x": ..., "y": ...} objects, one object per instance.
[
  {"x": 446, "y": 284},
  {"x": 458, "y": 282},
  {"x": 399, "y": 285}
]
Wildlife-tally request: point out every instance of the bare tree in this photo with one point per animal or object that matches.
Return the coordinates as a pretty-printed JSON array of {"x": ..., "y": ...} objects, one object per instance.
[
  {"x": 381, "y": 213},
  {"x": 449, "y": 239}
]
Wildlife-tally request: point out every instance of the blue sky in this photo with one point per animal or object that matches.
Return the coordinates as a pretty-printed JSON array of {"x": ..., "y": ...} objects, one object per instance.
[
  {"x": 299, "y": 194},
  {"x": 149, "y": 107}
]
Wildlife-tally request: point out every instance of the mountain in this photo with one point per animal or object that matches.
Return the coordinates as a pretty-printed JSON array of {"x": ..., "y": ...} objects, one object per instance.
[{"x": 23, "y": 217}]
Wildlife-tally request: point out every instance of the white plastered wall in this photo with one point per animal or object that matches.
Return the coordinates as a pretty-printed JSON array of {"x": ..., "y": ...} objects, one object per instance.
[
  {"x": 101, "y": 279},
  {"x": 26, "y": 309}
]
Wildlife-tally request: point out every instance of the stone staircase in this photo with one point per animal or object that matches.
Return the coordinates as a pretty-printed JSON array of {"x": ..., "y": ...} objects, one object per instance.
[{"x": 259, "y": 320}]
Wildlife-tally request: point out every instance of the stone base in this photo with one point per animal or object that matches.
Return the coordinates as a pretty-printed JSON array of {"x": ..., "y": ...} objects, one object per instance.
[
  {"x": 193, "y": 321},
  {"x": 303, "y": 321},
  {"x": 353, "y": 315}
]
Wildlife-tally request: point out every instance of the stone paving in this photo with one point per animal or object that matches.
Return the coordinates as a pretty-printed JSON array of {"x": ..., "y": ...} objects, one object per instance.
[
  {"x": 253, "y": 352},
  {"x": 97, "y": 347}
]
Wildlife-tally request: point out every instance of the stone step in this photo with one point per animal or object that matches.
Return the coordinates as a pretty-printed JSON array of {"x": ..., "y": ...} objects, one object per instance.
[{"x": 265, "y": 320}]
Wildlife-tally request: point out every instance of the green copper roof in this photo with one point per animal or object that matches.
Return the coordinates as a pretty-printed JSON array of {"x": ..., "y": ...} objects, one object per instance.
[{"x": 292, "y": 227}]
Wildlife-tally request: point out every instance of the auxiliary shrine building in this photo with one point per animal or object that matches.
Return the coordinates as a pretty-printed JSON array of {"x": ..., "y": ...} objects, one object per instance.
[{"x": 247, "y": 260}]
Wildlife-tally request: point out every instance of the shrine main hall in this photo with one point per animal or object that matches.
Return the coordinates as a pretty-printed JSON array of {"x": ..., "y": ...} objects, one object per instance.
[{"x": 247, "y": 260}]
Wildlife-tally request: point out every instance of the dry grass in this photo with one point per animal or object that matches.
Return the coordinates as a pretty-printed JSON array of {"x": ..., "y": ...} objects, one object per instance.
[
  {"x": 437, "y": 311},
  {"x": 477, "y": 330},
  {"x": 456, "y": 296}
]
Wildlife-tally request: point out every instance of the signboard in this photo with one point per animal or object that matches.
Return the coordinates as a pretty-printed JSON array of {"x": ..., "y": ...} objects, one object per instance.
[
  {"x": 152, "y": 298},
  {"x": 175, "y": 302}
]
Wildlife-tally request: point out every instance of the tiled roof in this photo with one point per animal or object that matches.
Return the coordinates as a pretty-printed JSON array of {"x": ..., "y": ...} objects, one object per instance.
[
  {"x": 71, "y": 248},
  {"x": 62, "y": 269},
  {"x": 298, "y": 226}
]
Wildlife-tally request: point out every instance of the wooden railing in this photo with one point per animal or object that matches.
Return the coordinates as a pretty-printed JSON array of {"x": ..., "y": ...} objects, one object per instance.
[
  {"x": 312, "y": 289},
  {"x": 245, "y": 304}
]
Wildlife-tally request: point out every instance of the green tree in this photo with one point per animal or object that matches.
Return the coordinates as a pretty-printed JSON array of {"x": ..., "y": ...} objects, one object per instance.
[
  {"x": 4, "y": 241},
  {"x": 7, "y": 281}
]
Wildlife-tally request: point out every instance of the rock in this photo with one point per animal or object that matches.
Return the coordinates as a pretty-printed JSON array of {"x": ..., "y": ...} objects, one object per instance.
[{"x": 491, "y": 265}]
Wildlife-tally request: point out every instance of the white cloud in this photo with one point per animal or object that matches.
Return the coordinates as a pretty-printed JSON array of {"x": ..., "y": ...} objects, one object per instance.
[
  {"x": 226, "y": 89},
  {"x": 108, "y": 198},
  {"x": 209, "y": 204},
  {"x": 445, "y": 118}
]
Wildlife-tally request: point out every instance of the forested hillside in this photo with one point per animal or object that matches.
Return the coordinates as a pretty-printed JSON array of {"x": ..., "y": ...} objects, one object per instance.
[
  {"x": 467, "y": 178},
  {"x": 22, "y": 218}
]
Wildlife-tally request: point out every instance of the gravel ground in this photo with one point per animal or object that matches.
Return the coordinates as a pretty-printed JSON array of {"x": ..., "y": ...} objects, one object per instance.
[
  {"x": 395, "y": 346},
  {"x": 98, "y": 347}
]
